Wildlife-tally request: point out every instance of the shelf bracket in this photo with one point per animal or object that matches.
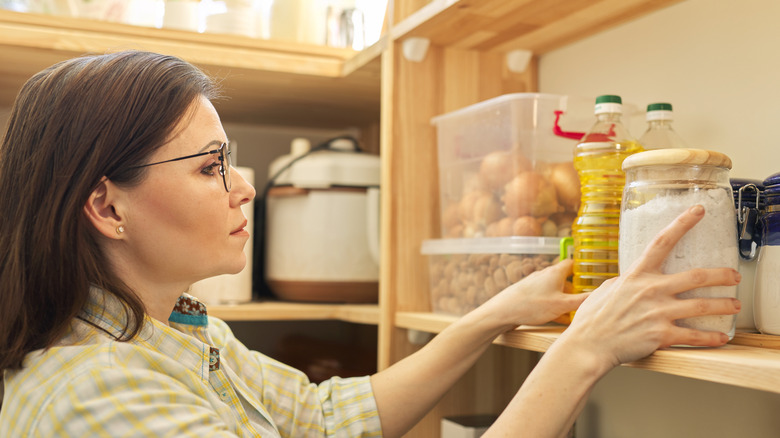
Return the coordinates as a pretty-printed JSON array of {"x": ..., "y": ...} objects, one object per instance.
[
  {"x": 517, "y": 60},
  {"x": 415, "y": 48}
]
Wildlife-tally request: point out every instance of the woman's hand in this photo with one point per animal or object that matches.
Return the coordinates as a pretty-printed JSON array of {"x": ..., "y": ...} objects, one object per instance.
[
  {"x": 625, "y": 319},
  {"x": 629, "y": 317},
  {"x": 536, "y": 299}
]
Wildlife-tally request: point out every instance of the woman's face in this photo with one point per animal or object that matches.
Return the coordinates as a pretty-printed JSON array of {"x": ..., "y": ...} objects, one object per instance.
[{"x": 181, "y": 225}]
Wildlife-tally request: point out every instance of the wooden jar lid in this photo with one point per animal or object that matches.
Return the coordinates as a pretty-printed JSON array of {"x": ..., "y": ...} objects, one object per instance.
[{"x": 691, "y": 157}]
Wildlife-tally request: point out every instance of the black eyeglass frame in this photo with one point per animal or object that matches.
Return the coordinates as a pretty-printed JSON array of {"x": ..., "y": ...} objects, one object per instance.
[{"x": 224, "y": 169}]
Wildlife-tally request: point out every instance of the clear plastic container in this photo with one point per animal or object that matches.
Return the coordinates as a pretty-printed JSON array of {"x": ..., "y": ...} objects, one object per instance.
[
  {"x": 464, "y": 273},
  {"x": 503, "y": 171},
  {"x": 660, "y": 185}
]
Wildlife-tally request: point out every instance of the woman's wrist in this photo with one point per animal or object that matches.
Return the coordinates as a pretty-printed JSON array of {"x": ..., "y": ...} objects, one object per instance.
[
  {"x": 584, "y": 351},
  {"x": 492, "y": 319}
]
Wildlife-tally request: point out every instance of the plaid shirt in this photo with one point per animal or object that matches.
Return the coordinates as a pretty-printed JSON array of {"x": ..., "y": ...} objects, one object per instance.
[{"x": 193, "y": 378}]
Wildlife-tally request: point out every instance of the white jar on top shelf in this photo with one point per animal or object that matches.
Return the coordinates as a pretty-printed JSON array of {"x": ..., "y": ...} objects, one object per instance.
[{"x": 660, "y": 185}]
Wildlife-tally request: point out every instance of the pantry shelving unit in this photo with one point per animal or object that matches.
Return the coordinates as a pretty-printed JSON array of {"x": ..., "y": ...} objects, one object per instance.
[
  {"x": 288, "y": 311},
  {"x": 727, "y": 364},
  {"x": 290, "y": 84},
  {"x": 266, "y": 82},
  {"x": 465, "y": 63}
]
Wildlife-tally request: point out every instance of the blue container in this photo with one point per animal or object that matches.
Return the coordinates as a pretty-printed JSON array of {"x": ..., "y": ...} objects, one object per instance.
[{"x": 770, "y": 219}]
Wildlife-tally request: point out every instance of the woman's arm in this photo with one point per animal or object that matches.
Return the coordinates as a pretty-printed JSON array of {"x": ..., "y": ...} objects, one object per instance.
[
  {"x": 624, "y": 320},
  {"x": 406, "y": 391}
]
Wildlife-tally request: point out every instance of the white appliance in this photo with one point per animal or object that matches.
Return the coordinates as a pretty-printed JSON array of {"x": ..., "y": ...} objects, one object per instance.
[{"x": 322, "y": 224}]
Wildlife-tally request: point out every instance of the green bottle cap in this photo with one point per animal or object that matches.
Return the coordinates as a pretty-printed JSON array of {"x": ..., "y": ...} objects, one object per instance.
[
  {"x": 609, "y": 98},
  {"x": 608, "y": 103},
  {"x": 659, "y": 107}
]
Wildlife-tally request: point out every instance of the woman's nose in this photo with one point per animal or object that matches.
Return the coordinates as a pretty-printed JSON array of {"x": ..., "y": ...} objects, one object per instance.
[{"x": 242, "y": 191}]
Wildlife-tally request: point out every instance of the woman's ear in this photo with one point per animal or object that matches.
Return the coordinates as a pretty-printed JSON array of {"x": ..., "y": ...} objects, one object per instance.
[{"x": 101, "y": 210}]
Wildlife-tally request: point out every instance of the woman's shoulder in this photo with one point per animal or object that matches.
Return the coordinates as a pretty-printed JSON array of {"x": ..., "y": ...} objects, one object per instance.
[
  {"x": 48, "y": 368},
  {"x": 63, "y": 377}
]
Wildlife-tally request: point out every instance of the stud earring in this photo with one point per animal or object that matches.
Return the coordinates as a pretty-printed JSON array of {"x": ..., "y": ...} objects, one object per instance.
[{"x": 120, "y": 229}]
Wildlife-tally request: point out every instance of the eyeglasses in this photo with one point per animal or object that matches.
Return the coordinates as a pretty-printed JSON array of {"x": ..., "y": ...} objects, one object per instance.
[{"x": 224, "y": 162}]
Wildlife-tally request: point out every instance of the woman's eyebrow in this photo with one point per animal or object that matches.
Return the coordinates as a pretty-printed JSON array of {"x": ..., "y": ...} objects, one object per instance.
[{"x": 210, "y": 144}]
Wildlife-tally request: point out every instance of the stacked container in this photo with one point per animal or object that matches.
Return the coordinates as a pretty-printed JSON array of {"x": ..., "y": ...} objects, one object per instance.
[{"x": 508, "y": 193}]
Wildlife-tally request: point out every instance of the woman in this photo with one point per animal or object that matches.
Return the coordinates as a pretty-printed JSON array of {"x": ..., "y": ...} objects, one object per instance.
[{"x": 117, "y": 195}]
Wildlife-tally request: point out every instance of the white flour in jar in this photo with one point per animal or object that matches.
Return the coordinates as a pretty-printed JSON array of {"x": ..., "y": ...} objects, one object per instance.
[{"x": 712, "y": 243}]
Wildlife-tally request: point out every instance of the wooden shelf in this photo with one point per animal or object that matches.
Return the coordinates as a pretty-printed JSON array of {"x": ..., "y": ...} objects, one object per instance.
[
  {"x": 504, "y": 25},
  {"x": 740, "y": 363},
  {"x": 288, "y": 311},
  {"x": 268, "y": 82}
]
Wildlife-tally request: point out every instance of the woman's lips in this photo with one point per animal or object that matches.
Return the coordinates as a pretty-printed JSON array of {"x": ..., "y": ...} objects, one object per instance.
[{"x": 240, "y": 231}]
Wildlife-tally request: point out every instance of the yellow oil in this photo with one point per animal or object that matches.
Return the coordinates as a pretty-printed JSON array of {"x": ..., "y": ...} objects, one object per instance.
[{"x": 595, "y": 231}]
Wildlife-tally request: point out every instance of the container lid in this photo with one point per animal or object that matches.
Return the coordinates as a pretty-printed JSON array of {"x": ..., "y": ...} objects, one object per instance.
[
  {"x": 491, "y": 103},
  {"x": 340, "y": 165},
  {"x": 608, "y": 103},
  {"x": 691, "y": 157},
  {"x": 736, "y": 183},
  {"x": 771, "y": 195},
  {"x": 492, "y": 245},
  {"x": 772, "y": 180},
  {"x": 659, "y": 111}
]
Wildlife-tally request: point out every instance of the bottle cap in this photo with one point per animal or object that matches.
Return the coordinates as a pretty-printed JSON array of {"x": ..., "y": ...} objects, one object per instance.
[
  {"x": 608, "y": 103},
  {"x": 659, "y": 111}
]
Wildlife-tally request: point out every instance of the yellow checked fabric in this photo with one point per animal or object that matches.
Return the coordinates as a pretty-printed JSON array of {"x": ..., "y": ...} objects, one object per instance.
[{"x": 193, "y": 378}]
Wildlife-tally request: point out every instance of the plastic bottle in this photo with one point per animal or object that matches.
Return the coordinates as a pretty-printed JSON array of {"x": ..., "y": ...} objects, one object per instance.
[
  {"x": 659, "y": 134},
  {"x": 598, "y": 159}
]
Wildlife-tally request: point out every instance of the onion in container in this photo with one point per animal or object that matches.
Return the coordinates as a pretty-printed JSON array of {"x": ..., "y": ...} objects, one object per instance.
[
  {"x": 498, "y": 168},
  {"x": 530, "y": 194},
  {"x": 564, "y": 178},
  {"x": 526, "y": 226},
  {"x": 495, "y": 170}
]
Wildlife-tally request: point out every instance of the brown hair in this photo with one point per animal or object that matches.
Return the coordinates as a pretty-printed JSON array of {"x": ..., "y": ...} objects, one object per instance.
[{"x": 71, "y": 125}]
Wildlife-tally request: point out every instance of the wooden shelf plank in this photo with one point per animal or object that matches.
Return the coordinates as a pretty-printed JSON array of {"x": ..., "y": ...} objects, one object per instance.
[
  {"x": 77, "y": 36},
  {"x": 503, "y": 25},
  {"x": 268, "y": 82},
  {"x": 289, "y": 311},
  {"x": 756, "y": 340},
  {"x": 740, "y": 363}
]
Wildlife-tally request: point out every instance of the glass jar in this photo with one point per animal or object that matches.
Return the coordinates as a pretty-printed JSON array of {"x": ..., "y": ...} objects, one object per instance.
[
  {"x": 747, "y": 204},
  {"x": 660, "y": 185},
  {"x": 766, "y": 288}
]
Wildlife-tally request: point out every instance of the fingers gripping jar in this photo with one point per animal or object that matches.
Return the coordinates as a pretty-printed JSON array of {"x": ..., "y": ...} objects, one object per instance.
[{"x": 661, "y": 184}]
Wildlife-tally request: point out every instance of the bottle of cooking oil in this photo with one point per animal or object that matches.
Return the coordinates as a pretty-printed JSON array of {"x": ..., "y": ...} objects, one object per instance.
[
  {"x": 659, "y": 133},
  {"x": 598, "y": 159}
]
